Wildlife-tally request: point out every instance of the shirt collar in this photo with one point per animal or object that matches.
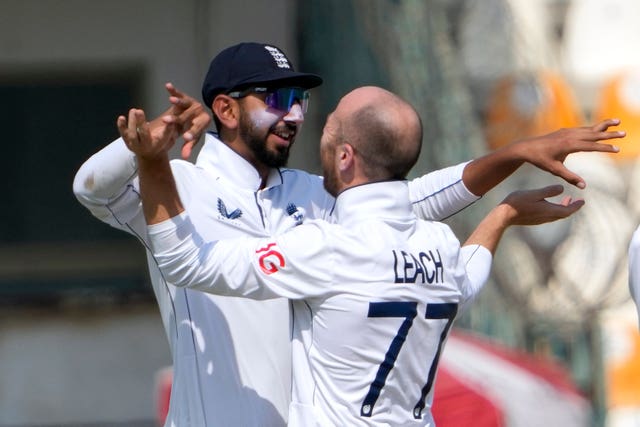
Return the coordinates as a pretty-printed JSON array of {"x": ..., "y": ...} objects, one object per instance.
[
  {"x": 387, "y": 199},
  {"x": 216, "y": 156}
]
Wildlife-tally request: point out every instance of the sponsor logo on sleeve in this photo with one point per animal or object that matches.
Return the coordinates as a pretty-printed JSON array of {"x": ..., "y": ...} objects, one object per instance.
[{"x": 270, "y": 259}]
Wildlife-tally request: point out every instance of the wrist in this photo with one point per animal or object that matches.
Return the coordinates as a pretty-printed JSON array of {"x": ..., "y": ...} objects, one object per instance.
[
  {"x": 155, "y": 167},
  {"x": 152, "y": 161},
  {"x": 503, "y": 215},
  {"x": 517, "y": 151}
]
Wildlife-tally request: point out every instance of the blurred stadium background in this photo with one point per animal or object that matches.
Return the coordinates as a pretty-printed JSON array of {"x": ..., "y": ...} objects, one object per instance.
[{"x": 81, "y": 342}]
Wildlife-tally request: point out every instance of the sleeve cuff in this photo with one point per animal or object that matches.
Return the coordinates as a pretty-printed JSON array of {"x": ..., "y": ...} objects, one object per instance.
[
  {"x": 478, "y": 261},
  {"x": 467, "y": 194}
]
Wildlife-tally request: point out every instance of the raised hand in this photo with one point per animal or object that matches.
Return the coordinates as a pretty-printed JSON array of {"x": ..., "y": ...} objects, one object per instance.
[
  {"x": 530, "y": 207},
  {"x": 190, "y": 117},
  {"x": 526, "y": 207},
  {"x": 147, "y": 140},
  {"x": 548, "y": 152}
]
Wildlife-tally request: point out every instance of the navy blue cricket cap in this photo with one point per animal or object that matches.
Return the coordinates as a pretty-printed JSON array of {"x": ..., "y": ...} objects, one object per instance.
[{"x": 250, "y": 64}]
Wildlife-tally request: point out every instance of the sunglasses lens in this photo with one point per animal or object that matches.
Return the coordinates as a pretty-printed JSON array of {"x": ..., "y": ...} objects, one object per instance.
[{"x": 282, "y": 99}]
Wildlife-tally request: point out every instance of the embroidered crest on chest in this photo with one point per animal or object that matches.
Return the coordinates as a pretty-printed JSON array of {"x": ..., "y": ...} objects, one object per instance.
[
  {"x": 222, "y": 208},
  {"x": 294, "y": 212}
]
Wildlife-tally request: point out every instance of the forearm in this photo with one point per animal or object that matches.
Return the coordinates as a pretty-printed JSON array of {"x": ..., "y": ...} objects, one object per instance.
[
  {"x": 477, "y": 254},
  {"x": 160, "y": 199},
  {"x": 484, "y": 173},
  {"x": 490, "y": 230}
]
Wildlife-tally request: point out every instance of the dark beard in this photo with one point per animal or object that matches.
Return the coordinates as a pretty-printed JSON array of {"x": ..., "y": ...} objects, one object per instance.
[
  {"x": 257, "y": 143},
  {"x": 273, "y": 159}
]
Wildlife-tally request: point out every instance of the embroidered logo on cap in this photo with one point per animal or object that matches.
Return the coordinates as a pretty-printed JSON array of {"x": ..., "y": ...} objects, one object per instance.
[{"x": 281, "y": 60}]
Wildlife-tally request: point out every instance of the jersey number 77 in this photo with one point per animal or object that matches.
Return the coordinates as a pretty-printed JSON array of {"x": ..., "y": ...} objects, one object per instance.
[{"x": 407, "y": 310}]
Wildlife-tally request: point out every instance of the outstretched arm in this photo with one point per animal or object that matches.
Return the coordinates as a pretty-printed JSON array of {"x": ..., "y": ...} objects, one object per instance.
[
  {"x": 546, "y": 152},
  {"x": 518, "y": 208},
  {"x": 442, "y": 193}
]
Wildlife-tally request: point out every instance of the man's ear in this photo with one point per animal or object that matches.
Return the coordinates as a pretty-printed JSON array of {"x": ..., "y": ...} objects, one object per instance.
[
  {"x": 227, "y": 111},
  {"x": 346, "y": 157}
]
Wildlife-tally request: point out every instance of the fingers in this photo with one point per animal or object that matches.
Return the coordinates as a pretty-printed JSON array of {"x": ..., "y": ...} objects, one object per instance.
[
  {"x": 566, "y": 201},
  {"x": 187, "y": 113},
  {"x": 603, "y": 148},
  {"x": 145, "y": 139},
  {"x": 138, "y": 124},
  {"x": 133, "y": 126},
  {"x": 605, "y": 124},
  {"x": 567, "y": 207},
  {"x": 600, "y": 132},
  {"x": 194, "y": 119},
  {"x": 605, "y": 135},
  {"x": 572, "y": 178},
  {"x": 179, "y": 100},
  {"x": 172, "y": 89},
  {"x": 121, "y": 123},
  {"x": 531, "y": 207},
  {"x": 169, "y": 134},
  {"x": 187, "y": 148},
  {"x": 548, "y": 191},
  {"x": 533, "y": 196},
  {"x": 198, "y": 126}
]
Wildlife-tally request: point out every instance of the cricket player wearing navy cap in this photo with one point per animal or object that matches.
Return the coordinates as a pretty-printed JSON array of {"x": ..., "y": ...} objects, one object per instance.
[
  {"x": 231, "y": 356},
  {"x": 375, "y": 293}
]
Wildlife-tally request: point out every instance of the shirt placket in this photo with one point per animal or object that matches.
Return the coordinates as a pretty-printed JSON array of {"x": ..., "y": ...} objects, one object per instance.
[{"x": 264, "y": 206}]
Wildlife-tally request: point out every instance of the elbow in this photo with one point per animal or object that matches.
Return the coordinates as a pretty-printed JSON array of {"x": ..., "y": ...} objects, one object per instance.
[
  {"x": 83, "y": 186},
  {"x": 83, "y": 181},
  {"x": 173, "y": 272}
]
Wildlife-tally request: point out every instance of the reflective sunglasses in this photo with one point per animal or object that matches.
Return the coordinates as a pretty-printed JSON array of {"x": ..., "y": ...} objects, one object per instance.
[{"x": 281, "y": 99}]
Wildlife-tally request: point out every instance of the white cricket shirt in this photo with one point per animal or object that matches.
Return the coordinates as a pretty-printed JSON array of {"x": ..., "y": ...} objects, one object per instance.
[
  {"x": 374, "y": 296},
  {"x": 231, "y": 356}
]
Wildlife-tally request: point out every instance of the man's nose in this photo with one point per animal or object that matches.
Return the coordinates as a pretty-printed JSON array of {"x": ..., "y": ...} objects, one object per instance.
[{"x": 295, "y": 114}]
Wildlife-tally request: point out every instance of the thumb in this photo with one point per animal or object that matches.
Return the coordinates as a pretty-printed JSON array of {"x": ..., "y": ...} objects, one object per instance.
[{"x": 549, "y": 191}]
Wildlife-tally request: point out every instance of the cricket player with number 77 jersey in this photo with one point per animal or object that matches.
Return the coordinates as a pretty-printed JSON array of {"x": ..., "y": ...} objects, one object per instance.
[{"x": 374, "y": 292}]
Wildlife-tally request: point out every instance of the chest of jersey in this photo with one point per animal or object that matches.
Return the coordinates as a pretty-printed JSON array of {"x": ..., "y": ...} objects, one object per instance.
[{"x": 239, "y": 211}]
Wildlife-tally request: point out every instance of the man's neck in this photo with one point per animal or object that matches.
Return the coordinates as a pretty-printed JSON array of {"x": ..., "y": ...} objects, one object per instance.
[{"x": 242, "y": 151}]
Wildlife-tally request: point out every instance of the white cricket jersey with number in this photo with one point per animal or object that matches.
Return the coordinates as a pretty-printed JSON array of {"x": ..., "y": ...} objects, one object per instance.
[
  {"x": 231, "y": 356},
  {"x": 634, "y": 269},
  {"x": 374, "y": 298}
]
